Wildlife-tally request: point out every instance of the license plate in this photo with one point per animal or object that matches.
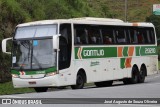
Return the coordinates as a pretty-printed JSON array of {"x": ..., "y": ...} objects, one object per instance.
[{"x": 32, "y": 82}]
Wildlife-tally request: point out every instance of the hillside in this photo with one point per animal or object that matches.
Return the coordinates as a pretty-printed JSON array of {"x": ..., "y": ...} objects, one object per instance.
[{"x": 137, "y": 10}]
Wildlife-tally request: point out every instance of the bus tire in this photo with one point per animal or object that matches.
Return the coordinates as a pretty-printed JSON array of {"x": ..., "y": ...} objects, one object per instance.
[
  {"x": 135, "y": 76},
  {"x": 79, "y": 82},
  {"x": 142, "y": 74},
  {"x": 41, "y": 89},
  {"x": 104, "y": 83}
]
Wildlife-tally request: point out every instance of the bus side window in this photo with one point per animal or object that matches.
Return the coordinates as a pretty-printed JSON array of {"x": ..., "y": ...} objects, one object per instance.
[
  {"x": 75, "y": 37},
  {"x": 120, "y": 36},
  {"x": 78, "y": 40},
  {"x": 94, "y": 36},
  {"x": 107, "y": 40},
  {"x": 146, "y": 41},
  {"x": 143, "y": 36},
  {"x": 133, "y": 36},
  {"x": 80, "y": 36},
  {"x": 140, "y": 38},
  {"x": 128, "y": 36},
  {"x": 108, "y": 36},
  {"x": 150, "y": 36}
]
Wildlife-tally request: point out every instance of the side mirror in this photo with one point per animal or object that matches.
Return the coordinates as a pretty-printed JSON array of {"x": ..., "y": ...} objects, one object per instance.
[
  {"x": 4, "y": 45},
  {"x": 56, "y": 41}
]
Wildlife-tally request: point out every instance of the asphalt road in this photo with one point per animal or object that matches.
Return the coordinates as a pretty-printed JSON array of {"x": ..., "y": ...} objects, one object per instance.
[{"x": 149, "y": 89}]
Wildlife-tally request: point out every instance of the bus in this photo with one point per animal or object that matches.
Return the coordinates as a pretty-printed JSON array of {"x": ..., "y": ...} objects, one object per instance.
[{"x": 72, "y": 52}]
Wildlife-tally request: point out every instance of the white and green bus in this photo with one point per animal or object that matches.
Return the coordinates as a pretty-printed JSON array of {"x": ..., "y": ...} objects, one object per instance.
[{"x": 72, "y": 52}]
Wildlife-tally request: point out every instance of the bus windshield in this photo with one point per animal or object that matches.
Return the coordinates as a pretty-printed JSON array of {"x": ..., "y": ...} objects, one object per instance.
[
  {"x": 33, "y": 54},
  {"x": 36, "y": 31},
  {"x": 33, "y": 48}
]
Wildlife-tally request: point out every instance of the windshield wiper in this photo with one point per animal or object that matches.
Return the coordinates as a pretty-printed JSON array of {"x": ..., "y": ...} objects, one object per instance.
[
  {"x": 40, "y": 67},
  {"x": 25, "y": 44}
]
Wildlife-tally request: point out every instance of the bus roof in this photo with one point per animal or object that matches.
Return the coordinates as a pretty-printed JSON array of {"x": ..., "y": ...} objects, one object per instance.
[{"x": 88, "y": 20}]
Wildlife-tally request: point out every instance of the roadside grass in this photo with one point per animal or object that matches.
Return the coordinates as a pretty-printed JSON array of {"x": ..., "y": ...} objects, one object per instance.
[{"x": 7, "y": 88}]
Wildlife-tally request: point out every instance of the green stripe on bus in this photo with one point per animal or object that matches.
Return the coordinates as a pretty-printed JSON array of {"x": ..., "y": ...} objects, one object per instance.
[
  {"x": 122, "y": 62},
  {"x": 106, "y": 52},
  {"x": 125, "y": 51},
  {"x": 76, "y": 53},
  {"x": 96, "y": 52},
  {"x": 53, "y": 69},
  {"x": 137, "y": 51}
]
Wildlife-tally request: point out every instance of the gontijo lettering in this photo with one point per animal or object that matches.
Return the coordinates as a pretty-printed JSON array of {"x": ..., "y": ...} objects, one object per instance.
[{"x": 93, "y": 52}]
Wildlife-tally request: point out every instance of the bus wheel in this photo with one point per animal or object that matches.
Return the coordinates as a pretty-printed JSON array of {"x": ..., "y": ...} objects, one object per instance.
[
  {"x": 79, "y": 82},
  {"x": 41, "y": 89},
  {"x": 142, "y": 72},
  {"x": 135, "y": 76}
]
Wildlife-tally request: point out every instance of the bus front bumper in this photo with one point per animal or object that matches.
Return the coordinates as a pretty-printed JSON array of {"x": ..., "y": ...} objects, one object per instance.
[{"x": 50, "y": 81}]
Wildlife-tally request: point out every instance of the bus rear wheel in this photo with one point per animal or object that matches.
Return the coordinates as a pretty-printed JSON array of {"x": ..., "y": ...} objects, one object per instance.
[
  {"x": 41, "y": 89},
  {"x": 79, "y": 82},
  {"x": 135, "y": 75},
  {"x": 134, "y": 78},
  {"x": 142, "y": 74}
]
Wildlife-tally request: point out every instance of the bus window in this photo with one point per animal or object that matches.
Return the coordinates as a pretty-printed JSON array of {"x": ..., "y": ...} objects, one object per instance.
[
  {"x": 152, "y": 37},
  {"x": 80, "y": 35},
  {"x": 94, "y": 36},
  {"x": 133, "y": 36},
  {"x": 120, "y": 36},
  {"x": 107, "y": 34},
  {"x": 148, "y": 37},
  {"x": 128, "y": 36},
  {"x": 142, "y": 36}
]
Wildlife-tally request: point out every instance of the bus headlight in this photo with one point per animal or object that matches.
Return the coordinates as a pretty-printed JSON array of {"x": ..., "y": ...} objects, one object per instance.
[
  {"x": 15, "y": 76},
  {"x": 50, "y": 74}
]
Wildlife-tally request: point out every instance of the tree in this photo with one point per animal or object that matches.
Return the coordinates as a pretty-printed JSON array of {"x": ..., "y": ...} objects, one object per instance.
[{"x": 156, "y": 21}]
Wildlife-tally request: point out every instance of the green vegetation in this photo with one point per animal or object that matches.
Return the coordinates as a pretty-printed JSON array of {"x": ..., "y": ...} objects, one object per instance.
[
  {"x": 7, "y": 88},
  {"x": 13, "y": 12},
  {"x": 156, "y": 21}
]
